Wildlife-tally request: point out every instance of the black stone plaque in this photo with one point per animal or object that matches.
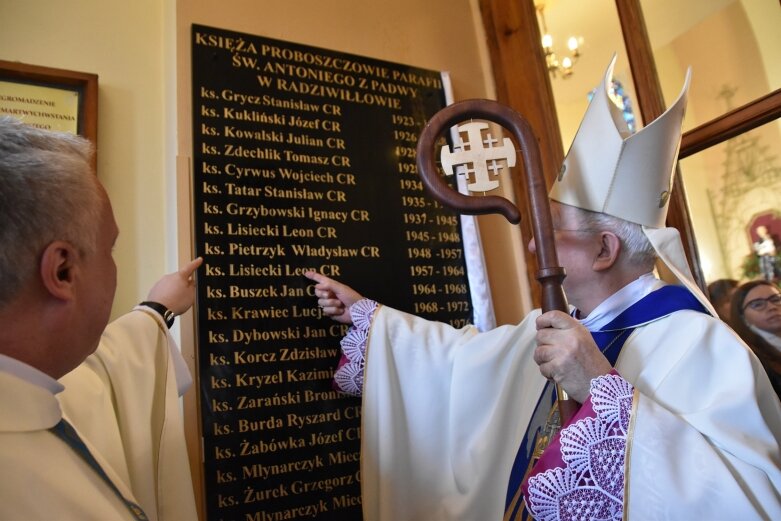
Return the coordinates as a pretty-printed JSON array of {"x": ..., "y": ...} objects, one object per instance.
[{"x": 304, "y": 158}]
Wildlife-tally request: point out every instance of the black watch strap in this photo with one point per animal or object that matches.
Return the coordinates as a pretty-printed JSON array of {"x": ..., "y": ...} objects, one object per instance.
[{"x": 167, "y": 314}]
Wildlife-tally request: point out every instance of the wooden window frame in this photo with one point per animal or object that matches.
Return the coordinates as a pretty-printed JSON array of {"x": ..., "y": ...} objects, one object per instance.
[{"x": 735, "y": 122}]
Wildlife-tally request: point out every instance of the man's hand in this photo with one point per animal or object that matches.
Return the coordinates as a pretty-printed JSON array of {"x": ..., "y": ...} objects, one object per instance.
[
  {"x": 176, "y": 291},
  {"x": 567, "y": 354},
  {"x": 333, "y": 297}
]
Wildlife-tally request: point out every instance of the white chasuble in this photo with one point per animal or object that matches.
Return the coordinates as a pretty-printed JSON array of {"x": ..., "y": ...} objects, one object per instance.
[
  {"x": 445, "y": 410},
  {"x": 124, "y": 400}
]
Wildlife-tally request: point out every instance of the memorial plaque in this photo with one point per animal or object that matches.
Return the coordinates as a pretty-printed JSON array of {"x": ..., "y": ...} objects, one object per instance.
[{"x": 304, "y": 158}]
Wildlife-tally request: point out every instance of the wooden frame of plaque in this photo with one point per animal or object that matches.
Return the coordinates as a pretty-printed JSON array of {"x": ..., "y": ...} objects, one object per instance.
[{"x": 58, "y": 99}]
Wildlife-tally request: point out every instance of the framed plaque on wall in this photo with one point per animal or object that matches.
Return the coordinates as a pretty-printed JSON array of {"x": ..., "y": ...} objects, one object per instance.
[
  {"x": 303, "y": 158},
  {"x": 53, "y": 99}
]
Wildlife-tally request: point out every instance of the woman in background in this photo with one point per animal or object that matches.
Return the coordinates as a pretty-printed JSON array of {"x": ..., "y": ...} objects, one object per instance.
[{"x": 756, "y": 317}]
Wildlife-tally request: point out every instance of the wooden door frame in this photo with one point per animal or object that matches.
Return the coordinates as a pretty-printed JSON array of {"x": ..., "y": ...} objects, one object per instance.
[{"x": 523, "y": 83}]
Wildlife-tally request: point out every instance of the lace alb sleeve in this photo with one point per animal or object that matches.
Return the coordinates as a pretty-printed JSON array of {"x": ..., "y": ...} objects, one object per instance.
[
  {"x": 348, "y": 377},
  {"x": 586, "y": 479}
]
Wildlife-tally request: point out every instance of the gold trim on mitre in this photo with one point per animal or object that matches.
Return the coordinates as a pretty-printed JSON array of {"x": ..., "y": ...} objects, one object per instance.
[{"x": 610, "y": 170}]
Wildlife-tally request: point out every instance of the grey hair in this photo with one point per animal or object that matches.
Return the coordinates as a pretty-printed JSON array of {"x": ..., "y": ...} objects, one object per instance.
[
  {"x": 47, "y": 193},
  {"x": 638, "y": 249}
]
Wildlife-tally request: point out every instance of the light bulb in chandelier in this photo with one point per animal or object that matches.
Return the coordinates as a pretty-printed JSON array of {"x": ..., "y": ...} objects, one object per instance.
[
  {"x": 563, "y": 66},
  {"x": 573, "y": 45}
]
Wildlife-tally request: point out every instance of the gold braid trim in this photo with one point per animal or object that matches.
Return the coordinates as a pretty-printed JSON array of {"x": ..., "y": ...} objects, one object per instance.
[{"x": 628, "y": 450}]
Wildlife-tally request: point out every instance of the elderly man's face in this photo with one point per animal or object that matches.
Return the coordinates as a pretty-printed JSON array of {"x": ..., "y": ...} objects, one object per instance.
[{"x": 576, "y": 248}]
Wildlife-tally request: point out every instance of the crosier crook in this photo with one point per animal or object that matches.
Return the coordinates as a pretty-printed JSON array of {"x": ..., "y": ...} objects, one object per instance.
[{"x": 550, "y": 275}]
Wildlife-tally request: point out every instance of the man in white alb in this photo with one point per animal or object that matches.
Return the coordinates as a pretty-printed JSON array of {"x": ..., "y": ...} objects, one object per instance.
[{"x": 90, "y": 422}]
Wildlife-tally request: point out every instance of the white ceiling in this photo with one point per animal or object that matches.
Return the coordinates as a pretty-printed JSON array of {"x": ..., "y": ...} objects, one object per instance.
[{"x": 596, "y": 21}]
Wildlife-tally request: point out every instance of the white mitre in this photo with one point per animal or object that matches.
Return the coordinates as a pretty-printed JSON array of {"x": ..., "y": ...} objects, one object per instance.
[{"x": 612, "y": 171}]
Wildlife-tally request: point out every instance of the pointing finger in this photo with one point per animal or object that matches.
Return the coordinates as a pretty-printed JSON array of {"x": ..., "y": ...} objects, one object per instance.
[{"x": 188, "y": 269}]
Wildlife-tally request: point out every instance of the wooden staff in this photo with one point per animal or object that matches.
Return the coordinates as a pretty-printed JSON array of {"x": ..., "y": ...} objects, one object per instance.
[{"x": 550, "y": 275}]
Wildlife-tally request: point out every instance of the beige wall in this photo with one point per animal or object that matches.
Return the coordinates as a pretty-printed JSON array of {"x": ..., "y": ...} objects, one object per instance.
[
  {"x": 140, "y": 52},
  {"x": 121, "y": 43}
]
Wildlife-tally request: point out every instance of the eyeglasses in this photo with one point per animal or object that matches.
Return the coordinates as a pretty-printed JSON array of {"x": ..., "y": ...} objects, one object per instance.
[{"x": 760, "y": 304}]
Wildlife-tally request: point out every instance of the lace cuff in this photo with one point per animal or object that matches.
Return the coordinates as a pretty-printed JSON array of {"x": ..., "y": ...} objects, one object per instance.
[
  {"x": 348, "y": 377},
  {"x": 583, "y": 478}
]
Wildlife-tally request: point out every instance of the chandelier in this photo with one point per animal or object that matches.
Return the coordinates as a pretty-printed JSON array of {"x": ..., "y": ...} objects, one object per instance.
[{"x": 555, "y": 64}]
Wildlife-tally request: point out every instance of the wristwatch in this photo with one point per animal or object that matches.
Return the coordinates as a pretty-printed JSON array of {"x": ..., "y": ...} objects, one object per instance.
[{"x": 167, "y": 314}]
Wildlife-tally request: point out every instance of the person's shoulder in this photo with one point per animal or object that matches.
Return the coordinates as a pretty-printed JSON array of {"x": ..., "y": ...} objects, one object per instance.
[
  {"x": 690, "y": 320},
  {"x": 138, "y": 319},
  {"x": 137, "y": 328},
  {"x": 700, "y": 331}
]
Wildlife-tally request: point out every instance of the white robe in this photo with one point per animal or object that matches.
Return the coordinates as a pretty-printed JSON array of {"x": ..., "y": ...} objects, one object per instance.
[
  {"x": 123, "y": 402},
  {"x": 444, "y": 412}
]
